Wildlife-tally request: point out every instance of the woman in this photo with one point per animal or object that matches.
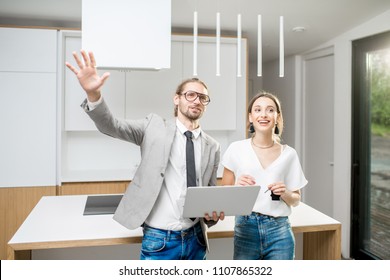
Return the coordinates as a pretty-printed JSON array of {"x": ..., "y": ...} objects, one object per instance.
[{"x": 262, "y": 160}]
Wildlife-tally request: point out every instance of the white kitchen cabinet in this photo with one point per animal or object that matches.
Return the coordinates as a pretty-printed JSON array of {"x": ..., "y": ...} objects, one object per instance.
[
  {"x": 28, "y": 93},
  {"x": 75, "y": 119},
  {"x": 223, "y": 90},
  {"x": 28, "y": 50},
  {"x": 48, "y": 139},
  {"x": 153, "y": 91},
  {"x": 87, "y": 155},
  {"x": 136, "y": 93}
]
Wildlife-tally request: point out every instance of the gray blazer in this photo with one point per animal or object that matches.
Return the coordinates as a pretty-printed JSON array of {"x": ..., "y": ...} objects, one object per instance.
[{"x": 155, "y": 136}]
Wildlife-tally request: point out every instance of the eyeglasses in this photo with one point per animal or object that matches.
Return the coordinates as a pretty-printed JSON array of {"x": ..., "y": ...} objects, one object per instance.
[{"x": 193, "y": 95}]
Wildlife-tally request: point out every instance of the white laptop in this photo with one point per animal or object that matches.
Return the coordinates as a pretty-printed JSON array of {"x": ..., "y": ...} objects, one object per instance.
[{"x": 232, "y": 200}]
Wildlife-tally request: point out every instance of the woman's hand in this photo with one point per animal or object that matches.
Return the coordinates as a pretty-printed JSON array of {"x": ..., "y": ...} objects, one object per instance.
[
  {"x": 246, "y": 180},
  {"x": 291, "y": 198},
  {"x": 278, "y": 188}
]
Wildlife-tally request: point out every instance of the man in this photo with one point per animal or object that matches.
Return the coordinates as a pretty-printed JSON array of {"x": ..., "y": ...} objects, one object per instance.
[{"x": 155, "y": 197}]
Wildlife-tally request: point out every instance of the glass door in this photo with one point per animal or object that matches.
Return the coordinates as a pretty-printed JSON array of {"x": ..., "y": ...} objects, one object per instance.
[{"x": 370, "y": 234}]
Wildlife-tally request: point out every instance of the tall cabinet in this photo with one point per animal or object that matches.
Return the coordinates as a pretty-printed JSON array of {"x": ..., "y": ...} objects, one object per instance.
[
  {"x": 28, "y": 92},
  {"x": 28, "y": 123}
]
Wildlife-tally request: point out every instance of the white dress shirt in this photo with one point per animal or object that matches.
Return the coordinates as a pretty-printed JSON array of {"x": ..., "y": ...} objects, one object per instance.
[{"x": 167, "y": 212}]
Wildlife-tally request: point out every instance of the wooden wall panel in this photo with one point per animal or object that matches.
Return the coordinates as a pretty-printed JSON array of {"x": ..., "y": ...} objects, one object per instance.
[
  {"x": 92, "y": 188},
  {"x": 16, "y": 204},
  {"x": 321, "y": 241}
]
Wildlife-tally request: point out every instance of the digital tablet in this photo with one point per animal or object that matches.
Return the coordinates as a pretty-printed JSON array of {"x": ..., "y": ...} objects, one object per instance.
[{"x": 232, "y": 200}]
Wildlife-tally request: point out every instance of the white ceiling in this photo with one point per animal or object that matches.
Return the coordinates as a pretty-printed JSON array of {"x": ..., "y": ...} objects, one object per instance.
[{"x": 322, "y": 19}]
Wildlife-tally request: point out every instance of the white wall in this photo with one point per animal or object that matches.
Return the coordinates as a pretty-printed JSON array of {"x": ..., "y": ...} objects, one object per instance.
[
  {"x": 255, "y": 82},
  {"x": 342, "y": 111},
  {"x": 284, "y": 88}
]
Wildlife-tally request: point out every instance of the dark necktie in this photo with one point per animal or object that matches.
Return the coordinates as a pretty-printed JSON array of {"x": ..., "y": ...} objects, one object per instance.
[{"x": 190, "y": 160}]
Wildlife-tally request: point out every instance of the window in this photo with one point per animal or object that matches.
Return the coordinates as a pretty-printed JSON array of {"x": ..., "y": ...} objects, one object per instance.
[{"x": 371, "y": 148}]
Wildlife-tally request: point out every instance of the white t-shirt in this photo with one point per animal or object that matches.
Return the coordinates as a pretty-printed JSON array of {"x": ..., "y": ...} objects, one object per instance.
[{"x": 240, "y": 158}]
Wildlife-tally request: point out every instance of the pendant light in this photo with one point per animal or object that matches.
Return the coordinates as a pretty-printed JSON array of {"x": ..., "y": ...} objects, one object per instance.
[
  {"x": 281, "y": 47},
  {"x": 218, "y": 44},
  {"x": 239, "y": 45},
  {"x": 195, "y": 50},
  {"x": 259, "y": 48}
]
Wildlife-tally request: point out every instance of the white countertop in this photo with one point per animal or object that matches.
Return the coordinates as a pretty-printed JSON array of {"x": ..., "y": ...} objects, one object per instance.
[{"x": 60, "y": 218}]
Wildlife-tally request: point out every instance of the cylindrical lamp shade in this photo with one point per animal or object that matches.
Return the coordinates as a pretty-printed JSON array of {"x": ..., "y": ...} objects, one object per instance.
[
  {"x": 218, "y": 45},
  {"x": 239, "y": 45},
  {"x": 281, "y": 48},
  {"x": 195, "y": 51},
  {"x": 259, "y": 48}
]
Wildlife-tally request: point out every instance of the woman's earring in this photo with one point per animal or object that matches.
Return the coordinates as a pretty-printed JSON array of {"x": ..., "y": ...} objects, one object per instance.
[
  {"x": 251, "y": 128},
  {"x": 276, "y": 129}
]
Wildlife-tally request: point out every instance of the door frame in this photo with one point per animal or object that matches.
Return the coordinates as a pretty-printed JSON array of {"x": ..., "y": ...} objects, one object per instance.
[{"x": 317, "y": 54}]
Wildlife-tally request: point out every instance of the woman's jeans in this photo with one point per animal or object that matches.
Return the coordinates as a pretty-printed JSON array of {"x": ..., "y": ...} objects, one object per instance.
[
  {"x": 158, "y": 244},
  {"x": 262, "y": 237}
]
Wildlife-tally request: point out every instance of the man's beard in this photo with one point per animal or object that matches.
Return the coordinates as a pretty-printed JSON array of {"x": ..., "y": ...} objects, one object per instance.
[{"x": 191, "y": 116}]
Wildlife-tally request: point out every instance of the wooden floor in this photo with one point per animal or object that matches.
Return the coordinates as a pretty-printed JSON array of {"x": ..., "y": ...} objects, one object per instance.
[
  {"x": 379, "y": 243},
  {"x": 378, "y": 240}
]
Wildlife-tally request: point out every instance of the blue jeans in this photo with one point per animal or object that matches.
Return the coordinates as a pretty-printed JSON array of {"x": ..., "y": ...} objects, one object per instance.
[
  {"x": 158, "y": 244},
  {"x": 261, "y": 237}
]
